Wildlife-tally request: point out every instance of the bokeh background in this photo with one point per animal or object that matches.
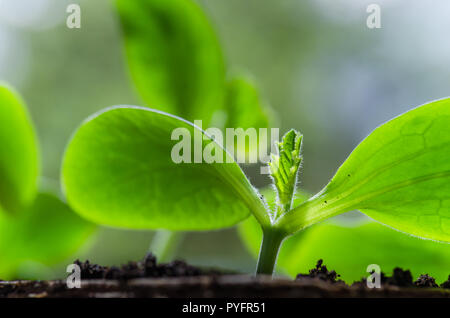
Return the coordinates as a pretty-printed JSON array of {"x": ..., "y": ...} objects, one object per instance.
[{"x": 322, "y": 70}]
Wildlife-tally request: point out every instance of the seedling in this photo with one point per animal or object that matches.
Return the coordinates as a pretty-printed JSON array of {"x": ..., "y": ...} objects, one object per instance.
[
  {"x": 36, "y": 227},
  {"x": 117, "y": 171}
]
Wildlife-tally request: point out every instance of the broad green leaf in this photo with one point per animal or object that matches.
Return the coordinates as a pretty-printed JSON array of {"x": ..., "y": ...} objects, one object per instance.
[
  {"x": 119, "y": 170},
  {"x": 399, "y": 175},
  {"x": 174, "y": 56},
  {"x": 47, "y": 232},
  {"x": 19, "y": 166}
]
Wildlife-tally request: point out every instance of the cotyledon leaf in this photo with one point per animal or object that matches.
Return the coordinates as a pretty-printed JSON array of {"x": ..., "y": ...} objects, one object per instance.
[
  {"x": 119, "y": 169},
  {"x": 174, "y": 56},
  {"x": 19, "y": 164},
  {"x": 48, "y": 231},
  {"x": 399, "y": 175}
]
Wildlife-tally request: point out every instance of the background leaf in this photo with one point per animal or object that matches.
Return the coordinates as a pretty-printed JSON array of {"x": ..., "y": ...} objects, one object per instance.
[
  {"x": 174, "y": 56},
  {"x": 244, "y": 105},
  {"x": 399, "y": 175},
  {"x": 118, "y": 171},
  {"x": 19, "y": 166},
  {"x": 46, "y": 233}
]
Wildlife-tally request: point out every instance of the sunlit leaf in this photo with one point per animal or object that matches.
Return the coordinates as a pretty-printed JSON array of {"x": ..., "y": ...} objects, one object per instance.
[
  {"x": 399, "y": 175},
  {"x": 119, "y": 170}
]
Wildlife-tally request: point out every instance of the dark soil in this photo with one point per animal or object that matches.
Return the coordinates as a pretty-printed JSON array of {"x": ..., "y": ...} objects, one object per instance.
[
  {"x": 425, "y": 281},
  {"x": 446, "y": 284},
  {"x": 178, "y": 279},
  {"x": 148, "y": 267},
  {"x": 321, "y": 272},
  {"x": 400, "y": 278}
]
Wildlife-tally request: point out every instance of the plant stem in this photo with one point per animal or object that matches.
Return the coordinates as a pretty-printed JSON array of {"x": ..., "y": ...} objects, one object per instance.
[
  {"x": 165, "y": 243},
  {"x": 268, "y": 253}
]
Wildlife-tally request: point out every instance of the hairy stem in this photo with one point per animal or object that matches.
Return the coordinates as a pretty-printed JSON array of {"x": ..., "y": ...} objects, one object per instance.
[{"x": 268, "y": 252}]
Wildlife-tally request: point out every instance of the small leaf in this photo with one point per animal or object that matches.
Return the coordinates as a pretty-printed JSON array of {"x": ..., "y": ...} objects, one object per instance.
[
  {"x": 19, "y": 166},
  {"x": 119, "y": 170},
  {"x": 284, "y": 169},
  {"x": 399, "y": 175},
  {"x": 174, "y": 56},
  {"x": 47, "y": 232}
]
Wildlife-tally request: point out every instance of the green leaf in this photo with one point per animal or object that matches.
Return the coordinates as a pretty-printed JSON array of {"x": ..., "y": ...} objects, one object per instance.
[
  {"x": 284, "y": 169},
  {"x": 19, "y": 166},
  {"x": 47, "y": 232},
  {"x": 118, "y": 170},
  {"x": 174, "y": 56},
  {"x": 399, "y": 175}
]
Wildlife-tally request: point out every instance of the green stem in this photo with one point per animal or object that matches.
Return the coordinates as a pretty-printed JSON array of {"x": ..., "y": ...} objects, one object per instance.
[
  {"x": 165, "y": 244},
  {"x": 268, "y": 253}
]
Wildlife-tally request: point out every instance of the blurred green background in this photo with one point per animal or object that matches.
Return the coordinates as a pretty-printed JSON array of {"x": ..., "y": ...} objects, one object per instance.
[{"x": 322, "y": 70}]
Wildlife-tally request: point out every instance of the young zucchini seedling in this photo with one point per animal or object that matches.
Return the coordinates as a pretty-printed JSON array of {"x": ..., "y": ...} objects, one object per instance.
[{"x": 118, "y": 171}]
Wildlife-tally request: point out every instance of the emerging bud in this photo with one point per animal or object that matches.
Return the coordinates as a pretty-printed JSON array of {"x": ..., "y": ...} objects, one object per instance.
[{"x": 284, "y": 169}]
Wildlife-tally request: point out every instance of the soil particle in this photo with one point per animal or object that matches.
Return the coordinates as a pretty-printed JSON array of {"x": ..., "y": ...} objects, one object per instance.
[
  {"x": 321, "y": 272},
  {"x": 403, "y": 278},
  {"x": 400, "y": 277},
  {"x": 90, "y": 271},
  {"x": 148, "y": 267},
  {"x": 425, "y": 281},
  {"x": 446, "y": 284}
]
